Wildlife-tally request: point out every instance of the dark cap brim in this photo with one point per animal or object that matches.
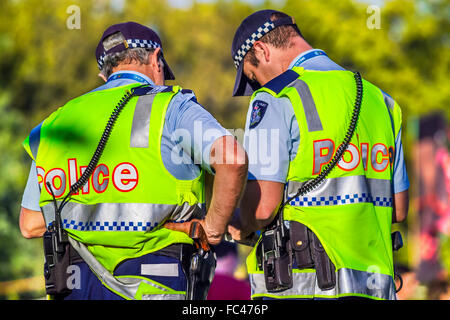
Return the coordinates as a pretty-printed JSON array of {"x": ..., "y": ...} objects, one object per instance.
[
  {"x": 243, "y": 86},
  {"x": 168, "y": 74}
]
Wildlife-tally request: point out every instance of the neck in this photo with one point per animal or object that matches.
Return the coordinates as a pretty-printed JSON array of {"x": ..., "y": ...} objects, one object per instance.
[
  {"x": 142, "y": 68},
  {"x": 282, "y": 59},
  {"x": 297, "y": 47}
]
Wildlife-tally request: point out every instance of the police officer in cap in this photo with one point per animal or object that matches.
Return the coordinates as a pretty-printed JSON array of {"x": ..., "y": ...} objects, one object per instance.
[
  {"x": 337, "y": 210},
  {"x": 150, "y": 170}
]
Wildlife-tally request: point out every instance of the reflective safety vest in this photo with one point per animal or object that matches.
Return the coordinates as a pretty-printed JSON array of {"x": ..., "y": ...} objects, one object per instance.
[
  {"x": 119, "y": 212},
  {"x": 351, "y": 211}
]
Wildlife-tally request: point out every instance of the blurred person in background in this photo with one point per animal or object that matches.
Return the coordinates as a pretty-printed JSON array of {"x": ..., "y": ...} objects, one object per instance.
[
  {"x": 432, "y": 170},
  {"x": 110, "y": 242},
  {"x": 225, "y": 286},
  {"x": 300, "y": 109},
  {"x": 438, "y": 290}
]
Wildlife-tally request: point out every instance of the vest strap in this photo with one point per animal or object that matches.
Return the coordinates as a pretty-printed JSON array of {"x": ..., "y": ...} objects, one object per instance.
[{"x": 312, "y": 117}]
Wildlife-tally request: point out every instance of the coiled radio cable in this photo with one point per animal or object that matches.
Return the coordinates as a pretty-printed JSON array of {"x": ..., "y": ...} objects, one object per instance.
[{"x": 312, "y": 184}]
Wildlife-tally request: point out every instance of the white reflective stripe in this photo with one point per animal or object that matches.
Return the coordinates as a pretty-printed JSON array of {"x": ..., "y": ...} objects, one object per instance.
[
  {"x": 140, "y": 129},
  {"x": 160, "y": 269},
  {"x": 348, "y": 282},
  {"x": 390, "y": 103},
  {"x": 163, "y": 297},
  {"x": 120, "y": 216},
  {"x": 344, "y": 190},
  {"x": 311, "y": 114}
]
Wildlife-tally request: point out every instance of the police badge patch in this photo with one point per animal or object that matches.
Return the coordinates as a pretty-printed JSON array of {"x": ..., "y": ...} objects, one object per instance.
[{"x": 258, "y": 111}]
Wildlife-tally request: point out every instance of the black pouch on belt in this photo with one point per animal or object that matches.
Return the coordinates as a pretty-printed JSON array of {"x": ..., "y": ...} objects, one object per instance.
[
  {"x": 55, "y": 267},
  {"x": 309, "y": 253},
  {"x": 325, "y": 269},
  {"x": 57, "y": 263},
  {"x": 300, "y": 242}
]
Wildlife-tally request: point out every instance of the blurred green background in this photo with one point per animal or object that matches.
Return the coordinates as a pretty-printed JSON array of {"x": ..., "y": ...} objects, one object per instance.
[{"x": 44, "y": 62}]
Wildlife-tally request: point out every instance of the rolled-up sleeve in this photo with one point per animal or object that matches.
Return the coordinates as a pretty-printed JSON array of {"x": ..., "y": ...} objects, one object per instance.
[
  {"x": 269, "y": 137},
  {"x": 400, "y": 179},
  {"x": 31, "y": 194},
  {"x": 195, "y": 129}
]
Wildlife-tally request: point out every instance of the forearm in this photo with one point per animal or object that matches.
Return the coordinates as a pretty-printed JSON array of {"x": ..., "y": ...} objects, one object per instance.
[
  {"x": 227, "y": 190},
  {"x": 258, "y": 208},
  {"x": 250, "y": 223},
  {"x": 254, "y": 219},
  {"x": 230, "y": 166},
  {"x": 401, "y": 206},
  {"x": 31, "y": 223}
]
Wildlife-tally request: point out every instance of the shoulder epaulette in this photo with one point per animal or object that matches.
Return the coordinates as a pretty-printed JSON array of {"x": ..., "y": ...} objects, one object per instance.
[
  {"x": 146, "y": 89},
  {"x": 186, "y": 91},
  {"x": 388, "y": 100},
  {"x": 279, "y": 83}
]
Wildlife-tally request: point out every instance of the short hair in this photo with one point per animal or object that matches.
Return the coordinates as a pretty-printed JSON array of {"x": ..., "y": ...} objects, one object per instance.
[
  {"x": 279, "y": 37},
  {"x": 137, "y": 55}
]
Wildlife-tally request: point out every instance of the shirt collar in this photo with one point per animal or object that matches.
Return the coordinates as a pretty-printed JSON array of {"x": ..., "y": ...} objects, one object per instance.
[
  {"x": 149, "y": 81},
  {"x": 301, "y": 55}
]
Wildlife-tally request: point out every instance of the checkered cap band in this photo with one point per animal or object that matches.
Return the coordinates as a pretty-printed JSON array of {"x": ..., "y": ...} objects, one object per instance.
[
  {"x": 132, "y": 43},
  {"x": 247, "y": 45}
]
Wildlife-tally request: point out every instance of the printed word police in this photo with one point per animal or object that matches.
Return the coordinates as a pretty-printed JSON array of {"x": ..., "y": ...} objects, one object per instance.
[
  {"x": 124, "y": 177},
  {"x": 380, "y": 156}
]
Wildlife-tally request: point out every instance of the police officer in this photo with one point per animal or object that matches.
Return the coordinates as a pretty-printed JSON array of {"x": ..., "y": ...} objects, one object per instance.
[
  {"x": 151, "y": 171},
  {"x": 299, "y": 114}
]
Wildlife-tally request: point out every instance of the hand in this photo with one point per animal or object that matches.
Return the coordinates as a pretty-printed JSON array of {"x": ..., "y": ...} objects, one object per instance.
[
  {"x": 237, "y": 233},
  {"x": 204, "y": 234},
  {"x": 213, "y": 236}
]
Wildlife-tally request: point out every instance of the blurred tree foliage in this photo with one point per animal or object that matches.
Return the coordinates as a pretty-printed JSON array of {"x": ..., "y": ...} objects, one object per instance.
[{"x": 44, "y": 63}]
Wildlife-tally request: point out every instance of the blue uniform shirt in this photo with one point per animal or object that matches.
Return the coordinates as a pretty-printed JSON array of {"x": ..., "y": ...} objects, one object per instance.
[
  {"x": 188, "y": 134},
  {"x": 272, "y": 136}
]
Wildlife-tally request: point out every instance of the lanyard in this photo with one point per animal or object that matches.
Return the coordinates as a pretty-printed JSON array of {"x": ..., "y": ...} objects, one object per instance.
[
  {"x": 131, "y": 76},
  {"x": 308, "y": 56}
]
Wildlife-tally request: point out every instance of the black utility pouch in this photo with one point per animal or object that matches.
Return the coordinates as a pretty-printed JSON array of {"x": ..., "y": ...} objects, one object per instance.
[
  {"x": 276, "y": 260},
  {"x": 283, "y": 269},
  {"x": 300, "y": 242},
  {"x": 55, "y": 267},
  {"x": 325, "y": 269}
]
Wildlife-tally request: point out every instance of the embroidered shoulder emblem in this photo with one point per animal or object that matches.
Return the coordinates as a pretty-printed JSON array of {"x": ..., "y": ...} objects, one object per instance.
[{"x": 258, "y": 110}]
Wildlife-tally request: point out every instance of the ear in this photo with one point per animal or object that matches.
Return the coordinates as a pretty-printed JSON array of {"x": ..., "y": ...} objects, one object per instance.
[
  {"x": 262, "y": 51},
  {"x": 102, "y": 76},
  {"x": 155, "y": 60}
]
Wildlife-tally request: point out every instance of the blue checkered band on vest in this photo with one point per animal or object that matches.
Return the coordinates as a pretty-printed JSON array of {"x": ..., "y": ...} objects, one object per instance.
[
  {"x": 341, "y": 199},
  {"x": 247, "y": 45},
  {"x": 108, "y": 225},
  {"x": 132, "y": 44}
]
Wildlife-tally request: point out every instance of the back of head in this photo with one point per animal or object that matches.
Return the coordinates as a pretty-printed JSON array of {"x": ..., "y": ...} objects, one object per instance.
[
  {"x": 128, "y": 56},
  {"x": 129, "y": 43},
  {"x": 279, "y": 37},
  {"x": 266, "y": 26}
]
